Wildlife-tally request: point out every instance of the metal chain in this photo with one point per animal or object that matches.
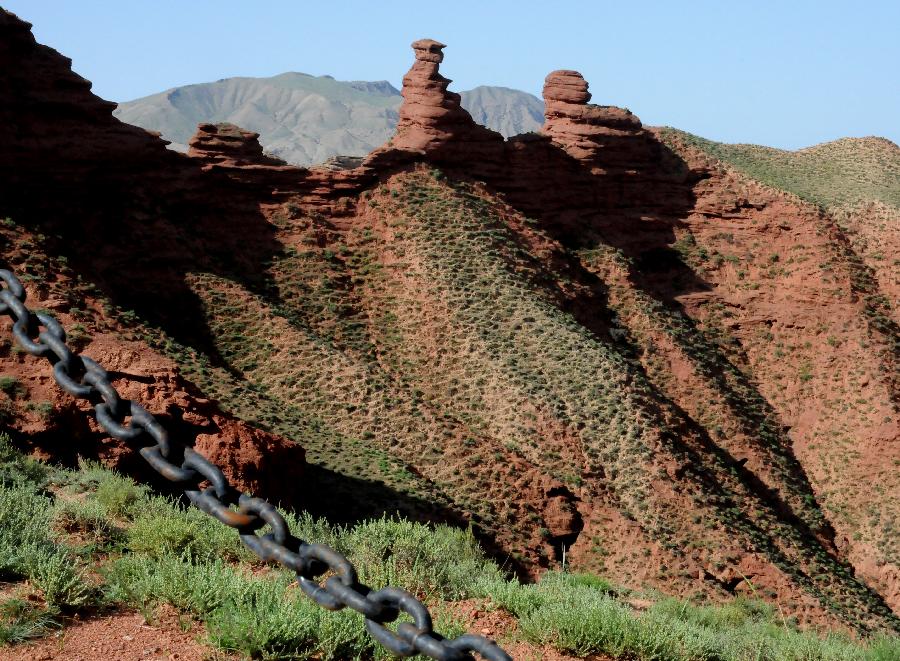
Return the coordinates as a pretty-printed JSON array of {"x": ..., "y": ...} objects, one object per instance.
[{"x": 83, "y": 378}]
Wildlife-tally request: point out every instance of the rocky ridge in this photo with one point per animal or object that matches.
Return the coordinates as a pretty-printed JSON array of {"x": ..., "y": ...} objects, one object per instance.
[{"x": 307, "y": 119}]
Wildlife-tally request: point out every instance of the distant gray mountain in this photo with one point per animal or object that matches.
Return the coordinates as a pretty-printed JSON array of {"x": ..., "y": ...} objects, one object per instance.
[
  {"x": 307, "y": 119},
  {"x": 504, "y": 110}
]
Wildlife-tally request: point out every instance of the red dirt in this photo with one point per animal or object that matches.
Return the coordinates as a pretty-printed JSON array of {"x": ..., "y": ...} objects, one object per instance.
[{"x": 123, "y": 636}]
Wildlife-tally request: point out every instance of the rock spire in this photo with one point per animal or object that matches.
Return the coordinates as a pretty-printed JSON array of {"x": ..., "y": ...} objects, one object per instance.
[{"x": 431, "y": 116}]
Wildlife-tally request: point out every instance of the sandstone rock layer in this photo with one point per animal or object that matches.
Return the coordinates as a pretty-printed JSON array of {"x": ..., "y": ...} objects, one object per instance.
[
  {"x": 431, "y": 116},
  {"x": 589, "y": 133},
  {"x": 229, "y": 145}
]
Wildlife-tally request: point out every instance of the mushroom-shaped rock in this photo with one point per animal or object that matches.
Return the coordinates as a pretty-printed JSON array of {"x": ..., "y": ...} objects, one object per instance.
[
  {"x": 429, "y": 50},
  {"x": 566, "y": 86}
]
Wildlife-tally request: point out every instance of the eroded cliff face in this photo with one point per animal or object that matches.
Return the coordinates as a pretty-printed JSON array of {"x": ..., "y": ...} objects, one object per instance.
[
  {"x": 62, "y": 148},
  {"x": 587, "y": 161},
  {"x": 227, "y": 145},
  {"x": 344, "y": 295}
]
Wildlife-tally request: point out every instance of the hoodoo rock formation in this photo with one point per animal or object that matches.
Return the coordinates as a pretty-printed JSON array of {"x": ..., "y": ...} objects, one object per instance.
[
  {"x": 588, "y": 159},
  {"x": 587, "y": 132},
  {"x": 431, "y": 117}
]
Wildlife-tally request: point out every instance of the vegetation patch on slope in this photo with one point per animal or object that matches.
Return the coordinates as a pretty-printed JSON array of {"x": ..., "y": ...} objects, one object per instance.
[{"x": 839, "y": 173}]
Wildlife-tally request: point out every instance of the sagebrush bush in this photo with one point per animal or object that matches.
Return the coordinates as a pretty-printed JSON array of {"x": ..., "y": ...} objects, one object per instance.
[
  {"x": 161, "y": 527},
  {"x": 88, "y": 520},
  {"x": 442, "y": 562},
  {"x": 118, "y": 494},
  {"x": 18, "y": 469},
  {"x": 60, "y": 580},
  {"x": 28, "y": 550}
]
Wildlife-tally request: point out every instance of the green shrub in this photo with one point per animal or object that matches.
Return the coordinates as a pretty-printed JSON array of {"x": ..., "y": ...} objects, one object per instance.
[
  {"x": 27, "y": 549},
  {"x": 89, "y": 519},
  {"x": 24, "y": 524},
  {"x": 61, "y": 581},
  {"x": 11, "y": 386},
  {"x": 162, "y": 527},
  {"x": 16, "y": 469},
  {"x": 442, "y": 562},
  {"x": 737, "y": 612},
  {"x": 118, "y": 494}
]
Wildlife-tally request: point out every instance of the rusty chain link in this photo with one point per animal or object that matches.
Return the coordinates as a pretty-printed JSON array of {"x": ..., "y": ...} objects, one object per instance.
[{"x": 83, "y": 378}]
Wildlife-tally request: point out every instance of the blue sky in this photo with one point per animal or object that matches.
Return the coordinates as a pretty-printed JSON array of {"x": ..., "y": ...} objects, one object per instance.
[{"x": 787, "y": 74}]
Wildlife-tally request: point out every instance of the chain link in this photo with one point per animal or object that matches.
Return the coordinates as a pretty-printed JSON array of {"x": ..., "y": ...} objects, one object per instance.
[{"x": 40, "y": 334}]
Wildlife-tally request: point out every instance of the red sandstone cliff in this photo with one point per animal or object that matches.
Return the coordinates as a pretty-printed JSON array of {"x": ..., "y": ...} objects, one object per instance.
[
  {"x": 60, "y": 144},
  {"x": 431, "y": 117}
]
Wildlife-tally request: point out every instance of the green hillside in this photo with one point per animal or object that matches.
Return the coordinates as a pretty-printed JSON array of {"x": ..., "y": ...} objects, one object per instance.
[{"x": 838, "y": 173}]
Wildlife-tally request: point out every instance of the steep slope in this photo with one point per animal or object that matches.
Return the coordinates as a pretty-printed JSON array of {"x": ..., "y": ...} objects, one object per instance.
[
  {"x": 533, "y": 336},
  {"x": 856, "y": 179},
  {"x": 843, "y": 172},
  {"x": 307, "y": 119}
]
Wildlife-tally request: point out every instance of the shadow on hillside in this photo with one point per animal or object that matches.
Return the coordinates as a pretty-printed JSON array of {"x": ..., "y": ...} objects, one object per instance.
[
  {"x": 638, "y": 216},
  {"x": 138, "y": 238}
]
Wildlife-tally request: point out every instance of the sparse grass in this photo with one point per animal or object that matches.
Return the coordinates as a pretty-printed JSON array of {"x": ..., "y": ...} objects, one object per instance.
[
  {"x": 839, "y": 173},
  {"x": 169, "y": 554},
  {"x": 574, "y": 616}
]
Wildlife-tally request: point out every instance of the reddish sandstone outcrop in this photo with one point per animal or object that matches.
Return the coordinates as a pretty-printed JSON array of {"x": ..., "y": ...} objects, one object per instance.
[
  {"x": 236, "y": 153},
  {"x": 431, "y": 116},
  {"x": 434, "y": 125},
  {"x": 584, "y": 130},
  {"x": 53, "y": 129},
  {"x": 229, "y": 145},
  {"x": 589, "y": 159},
  {"x": 254, "y": 460}
]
